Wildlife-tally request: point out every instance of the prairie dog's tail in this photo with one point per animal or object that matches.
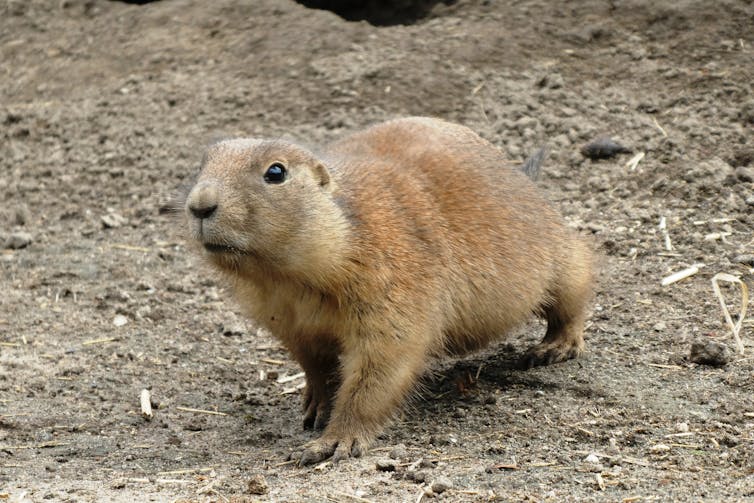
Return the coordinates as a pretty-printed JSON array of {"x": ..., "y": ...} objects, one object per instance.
[{"x": 533, "y": 164}]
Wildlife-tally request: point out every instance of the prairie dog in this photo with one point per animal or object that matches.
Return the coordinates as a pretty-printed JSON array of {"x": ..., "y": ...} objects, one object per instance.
[{"x": 406, "y": 241}]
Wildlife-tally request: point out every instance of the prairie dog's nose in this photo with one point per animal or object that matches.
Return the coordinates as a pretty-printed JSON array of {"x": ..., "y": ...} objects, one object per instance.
[{"x": 203, "y": 200}]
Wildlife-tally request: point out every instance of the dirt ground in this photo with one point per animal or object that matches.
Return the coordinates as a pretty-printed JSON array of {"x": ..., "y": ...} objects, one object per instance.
[{"x": 105, "y": 108}]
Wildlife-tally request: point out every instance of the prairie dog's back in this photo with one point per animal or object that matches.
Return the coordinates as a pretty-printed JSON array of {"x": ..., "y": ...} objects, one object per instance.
[{"x": 477, "y": 223}]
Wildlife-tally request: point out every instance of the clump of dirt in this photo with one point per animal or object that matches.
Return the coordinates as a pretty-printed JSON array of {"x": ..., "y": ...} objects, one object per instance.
[{"x": 105, "y": 109}]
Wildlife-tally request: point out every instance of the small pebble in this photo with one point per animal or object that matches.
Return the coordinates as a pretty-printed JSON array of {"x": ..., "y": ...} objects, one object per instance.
[
  {"x": 113, "y": 220},
  {"x": 399, "y": 452},
  {"x": 386, "y": 465},
  {"x": 682, "y": 427},
  {"x": 118, "y": 484},
  {"x": 592, "y": 467},
  {"x": 419, "y": 476},
  {"x": 22, "y": 215},
  {"x": 659, "y": 326},
  {"x": 441, "y": 484},
  {"x": 747, "y": 259},
  {"x": 745, "y": 174},
  {"x": 659, "y": 448},
  {"x": 710, "y": 353},
  {"x": 551, "y": 81},
  {"x": 233, "y": 328},
  {"x": 18, "y": 240},
  {"x": 603, "y": 148},
  {"x": 120, "y": 320},
  {"x": 257, "y": 485},
  {"x": 592, "y": 458}
]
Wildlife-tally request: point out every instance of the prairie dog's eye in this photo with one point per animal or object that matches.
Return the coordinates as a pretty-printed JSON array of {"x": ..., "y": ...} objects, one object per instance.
[{"x": 275, "y": 173}]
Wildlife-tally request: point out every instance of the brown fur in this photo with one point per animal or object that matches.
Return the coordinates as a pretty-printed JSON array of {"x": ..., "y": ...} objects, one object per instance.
[{"x": 405, "y": 241}]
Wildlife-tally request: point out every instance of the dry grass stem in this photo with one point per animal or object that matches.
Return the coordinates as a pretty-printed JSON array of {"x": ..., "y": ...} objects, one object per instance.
[
  {"x": 285, "y": 379},
  {"x": 99, "y": 341},
  {"x": 272, "y": 362},
  {"x": 665, "y": 235},
  {"x": 678, "y": 276},
  {"x": 352, "y": 497},
  {"x": 664, "y": 366},
  {"x": 185, "y": 471},
  {"x": 633, "y": 163},
  {"x": 131, "y": 248},
  {"x": 288, "y": 391},
  {"x": 659, "y": 128},
  {"x": 735, "y": 328},
  {"x": 202, "y": 411}
]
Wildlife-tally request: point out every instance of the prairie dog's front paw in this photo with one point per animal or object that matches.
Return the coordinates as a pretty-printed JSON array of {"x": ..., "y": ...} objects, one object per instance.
[{"x": 323, "y": 448}]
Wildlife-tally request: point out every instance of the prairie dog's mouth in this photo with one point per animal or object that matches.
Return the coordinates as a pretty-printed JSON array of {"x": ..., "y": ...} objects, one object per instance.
[{"x": 218, "y": 248}]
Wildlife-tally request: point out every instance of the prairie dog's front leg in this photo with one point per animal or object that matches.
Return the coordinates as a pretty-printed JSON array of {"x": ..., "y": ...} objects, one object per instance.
[
  {"x": 378, "y": 370},
  {"x": 322, "y": 377}
]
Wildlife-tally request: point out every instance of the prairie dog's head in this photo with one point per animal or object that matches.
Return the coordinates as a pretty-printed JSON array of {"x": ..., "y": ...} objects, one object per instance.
[{"x": 268, "y": 204}]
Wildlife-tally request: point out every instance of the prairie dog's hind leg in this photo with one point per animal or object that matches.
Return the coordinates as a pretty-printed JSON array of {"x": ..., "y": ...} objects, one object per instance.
[{"x": 566, "y": 313}]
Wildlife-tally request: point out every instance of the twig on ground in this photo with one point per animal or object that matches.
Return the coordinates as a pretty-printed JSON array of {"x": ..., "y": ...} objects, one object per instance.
[
  {"x": 146, "y": 404},
  {"x": 665, "y": 234},
  {"x": 99, "y": 341},
  {"x": 185, "y": 471},
  {"x": 285, "y": 379},
  {"x": 735, "y": 328},
  {"x": 202, "y": 411},
  {"x": 271, "y": 361},
  {"x": 678, "y": 276},
  {"x": 633, "y": 163},
  {"x": 353, "y": 497},
  {"x": 294, "y": 389},
  {"x": 131, "y": 248},
  {"x": 659, "y": 128}
]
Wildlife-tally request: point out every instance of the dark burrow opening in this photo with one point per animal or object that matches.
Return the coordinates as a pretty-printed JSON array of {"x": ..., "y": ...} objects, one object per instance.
[{"x": 378, "y": 12}]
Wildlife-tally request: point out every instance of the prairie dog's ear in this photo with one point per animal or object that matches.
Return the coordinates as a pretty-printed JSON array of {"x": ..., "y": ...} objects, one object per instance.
[{"x": 322, "y": 175}]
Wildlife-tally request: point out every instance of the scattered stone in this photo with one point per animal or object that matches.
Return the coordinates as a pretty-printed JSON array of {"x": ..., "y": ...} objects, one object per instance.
[
  {"x": 603, "y": 148},
  {"x": 399, "y": 452},
  {"x": 118, "y": 484},
  {"x": 21, "y": 215},
  {"x": 750, "y": 200},
  {"x": 551, "y": 81},
  {"x": 747, "y": 259},
  {"x": 257, "y": 485},
  {"x": 120, "y": 320},
  {"x": 113, "y": 220},
  {"x": 592, "y": 458},
  {"x": 441, "y": 484},
  {"x": 710, "y": 353},
  {"x": 419, "y": 476},
  {"x": 592, "y": 467},
  {"x": 743, "y": 157},
  {"x": 386, "y": 465},
  {"x": 233, "y": 328},
  {"x": 745, "y": 174},
  {"x": 18, "y": 240},
  {"x": 427, "y": 463},
  {"x": 682, "y": 427},
  {"x": 660, "y": 326},
  {"x": 659, "y": 448}
]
